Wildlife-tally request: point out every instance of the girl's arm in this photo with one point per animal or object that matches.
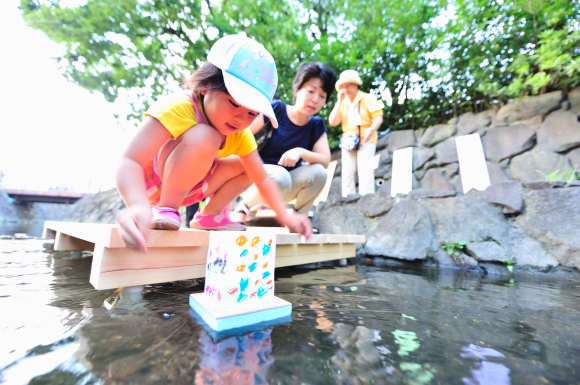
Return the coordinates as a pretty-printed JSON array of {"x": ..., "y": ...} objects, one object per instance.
[
  {"x": 320, "y": 154},
  {"x": 131, "y": 183},
  {"x": 254, "y": 167}
]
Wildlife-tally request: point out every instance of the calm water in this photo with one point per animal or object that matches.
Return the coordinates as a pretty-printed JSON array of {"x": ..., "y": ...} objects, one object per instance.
[{"x": 351, "y": 325}]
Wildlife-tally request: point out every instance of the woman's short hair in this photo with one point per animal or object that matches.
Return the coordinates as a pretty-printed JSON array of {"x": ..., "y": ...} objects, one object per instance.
[
  {"x": 307, "y": 71},
  {"x": 207, "y": 77}
]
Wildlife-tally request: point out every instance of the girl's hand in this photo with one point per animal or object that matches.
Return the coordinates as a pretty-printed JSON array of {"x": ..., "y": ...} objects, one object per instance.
[
  {"x": 133, "y": 224},
  {"x": 298, "y": 223},
  {"x": 290, "y": 157},
  {"x": 341, "y": 94}
]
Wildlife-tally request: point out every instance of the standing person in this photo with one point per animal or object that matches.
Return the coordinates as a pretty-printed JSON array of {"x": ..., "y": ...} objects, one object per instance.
[
  {"x": 181, "y": 153},
  {"x": 361, "y": 116},
  {"x": 297, "y": 153}
]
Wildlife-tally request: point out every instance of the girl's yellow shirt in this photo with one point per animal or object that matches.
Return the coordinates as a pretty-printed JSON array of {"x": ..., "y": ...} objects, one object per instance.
[{"x": 177, "y": 114}]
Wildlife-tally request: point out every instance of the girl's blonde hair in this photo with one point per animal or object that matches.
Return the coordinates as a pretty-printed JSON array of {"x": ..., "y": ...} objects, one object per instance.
[{"x": 207, "y": 77}]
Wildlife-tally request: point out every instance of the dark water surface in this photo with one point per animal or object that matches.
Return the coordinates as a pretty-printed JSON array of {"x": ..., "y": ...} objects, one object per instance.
[{"x": 351, "y": 325}]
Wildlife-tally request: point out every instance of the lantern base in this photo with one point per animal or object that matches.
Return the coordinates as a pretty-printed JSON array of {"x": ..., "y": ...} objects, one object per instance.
[{"x": 239, "y": 317}]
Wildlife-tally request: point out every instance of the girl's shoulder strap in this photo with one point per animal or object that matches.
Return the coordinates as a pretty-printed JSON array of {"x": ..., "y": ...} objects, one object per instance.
[{"x": 198, "y": 114}]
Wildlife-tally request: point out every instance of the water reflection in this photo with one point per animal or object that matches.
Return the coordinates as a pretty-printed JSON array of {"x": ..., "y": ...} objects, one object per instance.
[
  {"x": 485, "y": 373},
  {"x": 359, "y": 360},
  {"x": 351, "y": 325},
  {"x": 239, "y": 360}
]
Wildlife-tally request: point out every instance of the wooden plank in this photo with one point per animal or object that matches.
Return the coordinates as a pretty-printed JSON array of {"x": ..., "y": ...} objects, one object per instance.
[
  {"x": 330, "y": 170},
  {"x": 127, "y": 278},
  {"x": 270, "y": 213},
  {"x": 109, "y": 236},
  {"x": 116, "y": 267},
  {"x": 291, "y": 255},
  {"x": 90, "y": 232},
  {"x": 63, "y": 242}
]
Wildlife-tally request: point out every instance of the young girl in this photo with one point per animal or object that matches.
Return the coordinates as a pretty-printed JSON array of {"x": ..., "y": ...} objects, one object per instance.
[
  {"x": 177, "y": 156},
  {"x": 297, "y": 153}
]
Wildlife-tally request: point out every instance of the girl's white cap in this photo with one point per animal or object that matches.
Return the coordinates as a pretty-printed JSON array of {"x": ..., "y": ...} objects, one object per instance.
[{"x": 249, "y": 72}]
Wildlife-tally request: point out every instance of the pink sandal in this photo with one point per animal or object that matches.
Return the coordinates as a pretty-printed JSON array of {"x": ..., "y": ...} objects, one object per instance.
[
  {"x": 215, "y": 222},
  {"x": 165, "y": 218}
]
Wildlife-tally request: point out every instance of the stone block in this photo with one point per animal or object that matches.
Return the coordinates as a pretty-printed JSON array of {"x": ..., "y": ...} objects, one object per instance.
[
  {"x": 552, "y": 219},
  {"x": 463, "y": 219},
  {"x": 420, "y": 194},
  {"x": 544, "y": 184},
  {"x": 434, "y": 180},
  {"x": 559, "y": 132},
  {"x": 422, "y": 155},
  {"x": 451, "y": 170},
  {"x": 446, "y": 152},
  {"x": 506, "y": 194},
  {"x": 534, "y": 122},
  {"x": 436, "y": 134},
  {"x": 406, "y": 232},
  {"x": 505, "y": 142},
  {"x": 336, "y": 186},
  {"x": 382, "y": 142},
  {"x": 528, "y": 251},
  {"x": 487, "y": 251},
  {"x": 335, "y": 200},
  {"x": 469, "y": 122},
  {"x": 374, "y": 205},
  {"x": 574, "y": 157},
  {"x": 536, "y": 165},
  {"x": 496, "y": 173},
  {"x": 401, "y": 139},
  {"x": 527, "y": 107},
  {"x": 574, "y": 99},
  {"x": 352, "y": 198},
  {"x": 386, "y": 156},
  {"x": 457, "y": 262}
]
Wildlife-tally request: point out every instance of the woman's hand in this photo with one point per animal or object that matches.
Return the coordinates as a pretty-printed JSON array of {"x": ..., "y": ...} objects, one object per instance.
[
  {"x": 367, "y": 135},
  {"x": 291, "y": 157},
  {"x": 133, "y": 224},
  {"x": 341, "y": 94},
  {"x": 297, "y": 223}
]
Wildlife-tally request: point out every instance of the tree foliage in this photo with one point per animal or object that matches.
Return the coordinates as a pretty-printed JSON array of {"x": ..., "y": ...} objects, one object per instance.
[{"x": 433, "y": 59}]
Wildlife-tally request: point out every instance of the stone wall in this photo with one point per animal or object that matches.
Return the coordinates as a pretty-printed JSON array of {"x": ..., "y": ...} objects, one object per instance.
[
  {"x": 97, "y": 208},
  {"x": 531, "y": 224},
  {"x": 525, "y": 141}
]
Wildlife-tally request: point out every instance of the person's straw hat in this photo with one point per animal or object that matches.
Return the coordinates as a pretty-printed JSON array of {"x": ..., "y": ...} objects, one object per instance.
[
  {"x": 348, "y": 76},
  {"x": 249, "y": 72}
]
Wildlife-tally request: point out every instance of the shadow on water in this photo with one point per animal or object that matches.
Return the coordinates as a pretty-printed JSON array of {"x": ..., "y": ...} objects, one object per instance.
[{"x": 350, "y": 325}]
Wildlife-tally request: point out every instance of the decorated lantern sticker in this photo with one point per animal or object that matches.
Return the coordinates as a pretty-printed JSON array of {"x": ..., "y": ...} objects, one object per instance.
[{"x": 247, "y": 277}]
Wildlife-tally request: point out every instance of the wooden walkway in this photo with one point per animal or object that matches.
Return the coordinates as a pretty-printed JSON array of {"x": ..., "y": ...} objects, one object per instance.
[{"x": 179, "y": 255}]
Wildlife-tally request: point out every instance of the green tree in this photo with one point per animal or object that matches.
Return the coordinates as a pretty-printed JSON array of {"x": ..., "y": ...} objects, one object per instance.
[
  {"x": 434, "y": 58},
  {"x": 501, "y": 50}
]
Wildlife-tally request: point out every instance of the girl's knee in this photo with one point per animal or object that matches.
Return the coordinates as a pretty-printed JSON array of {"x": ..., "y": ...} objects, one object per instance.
[{"x": 202, "y": 137}]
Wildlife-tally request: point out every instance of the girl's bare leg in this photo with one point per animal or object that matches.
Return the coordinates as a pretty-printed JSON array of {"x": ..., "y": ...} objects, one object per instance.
[
  {"x": 228, "y": 181},
  {"x": 184, "y": 162}
]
